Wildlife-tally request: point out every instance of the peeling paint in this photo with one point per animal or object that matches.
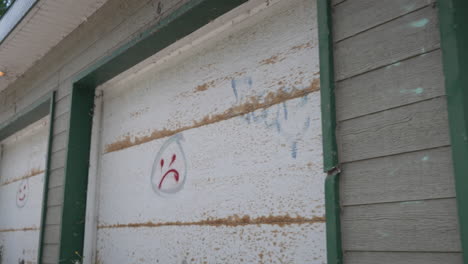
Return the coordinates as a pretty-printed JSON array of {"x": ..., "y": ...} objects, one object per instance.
[
  {"x": 30, "y": 174},
  {"x": 254, "y": 103},
  {"x": 24, "y": 229},
  {"x": 234, "y": 220}
]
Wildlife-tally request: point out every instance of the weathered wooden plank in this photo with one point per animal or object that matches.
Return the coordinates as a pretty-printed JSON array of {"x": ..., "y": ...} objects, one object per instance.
[
  {"x": 55, "y": 196},
  {"x": 52, "y": 234},
  {"x": 402, "y": 258},
  {"x": 335, "y": 2},
  {"x": 60, "y": 141},
  {"x": 430, "y": 225},
  {"x": 57, "y": 177},
  {"x": 409, "y": 128},
  {"x": 62, "y": 105},
  {"x": 54, "y": 215},
  {"x": 58, "y": 159},
  {"x": 355, "y": 16},
  {"x": 50, "y": 253},
  {"x": 61, "y": 123},
  {"x": 419, "y": 175},
  {"x": 396, "y": 40},
  {"x": 405, "y": 82},
  {"x": 248, "y": 73}
]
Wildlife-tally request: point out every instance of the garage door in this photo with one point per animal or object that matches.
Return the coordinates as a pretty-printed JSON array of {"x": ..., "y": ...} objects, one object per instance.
[
  {"x": 215, "y": 155},
  {"x": 22, "y": 165}
]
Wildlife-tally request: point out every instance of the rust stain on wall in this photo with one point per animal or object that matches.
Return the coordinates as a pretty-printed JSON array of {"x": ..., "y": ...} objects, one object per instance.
[
  {"x": 30, "y": 174},
  {"x": 253, "y": 103},
  {"x": 234, "y": 220},
  {"x": 272, "y": 60},
  {"x": 201, "y": 88},
  {"x": 301, "y": 47},
  {"x": 205, "y": 86},
  {"x": 19, "y": 229}
]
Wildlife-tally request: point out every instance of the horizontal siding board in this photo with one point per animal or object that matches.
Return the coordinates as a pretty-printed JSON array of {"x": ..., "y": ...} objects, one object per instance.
[
  {"x": 419, "y": 78},
  {"x": 58, "y": 159},
  {"x": 63, "y": 105},
  {"x": 54, "y": 215},
  {"x": 355, "y": 16},
  {"x": 335, "y": 2},
  {"x": 61, "y": 123},
  {"x": 57, "y": 177},
  {"x": 55, "y": 196},
  {"x": 402, "y": 258},
  {"x": 64, "y": 89},
  {"x": 52, "y": 234},
  {"x": 50, "y": 253},
  {"x": 413, "y": 127},
  {"x": 60, "y": 141},
  {"x": 396, "y": 40},
  {"x": 407, "y": 226},
  {"x": 418, "y": 175}
]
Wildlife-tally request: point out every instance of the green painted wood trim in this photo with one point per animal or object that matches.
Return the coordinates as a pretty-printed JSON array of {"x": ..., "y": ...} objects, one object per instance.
[
  {"x": 76, "y": 172},
  {"x": 177, "y": 25},
  {"x": 454, "y": 39},
  {"x": 45, "y": 192},
  {"x": 330, "y": 150}
]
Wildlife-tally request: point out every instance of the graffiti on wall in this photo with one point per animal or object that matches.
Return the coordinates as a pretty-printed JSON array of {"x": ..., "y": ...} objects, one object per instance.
[
  {"x": 170, "y": 167},
  {"x": 22, "y": 193},
  {"x": 275, "y": 117}
]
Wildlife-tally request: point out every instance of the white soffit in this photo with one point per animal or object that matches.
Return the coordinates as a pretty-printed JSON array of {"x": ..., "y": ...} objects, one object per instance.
[{"x": 43, "y": 27}]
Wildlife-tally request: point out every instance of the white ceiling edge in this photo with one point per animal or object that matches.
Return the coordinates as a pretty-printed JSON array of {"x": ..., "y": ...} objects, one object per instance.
[
  {"x": 46, "y": 24},
  {"x": 13, "y": 16}
]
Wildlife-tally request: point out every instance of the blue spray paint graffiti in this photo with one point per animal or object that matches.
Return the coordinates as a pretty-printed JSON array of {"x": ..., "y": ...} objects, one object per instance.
[{"x": 275, "y": 117}]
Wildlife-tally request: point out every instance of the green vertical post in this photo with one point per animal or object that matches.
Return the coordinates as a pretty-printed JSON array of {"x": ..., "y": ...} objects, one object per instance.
[
  {"x": 453, "y": 17},
  {"x": 45, "y": 191},
  {"x": 330, "y": 151}
]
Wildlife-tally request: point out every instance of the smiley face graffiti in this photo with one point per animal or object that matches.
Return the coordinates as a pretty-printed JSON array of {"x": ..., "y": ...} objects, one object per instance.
[
  {"x": 170, "y": 167},
  {"x": 22, "y": 193}
]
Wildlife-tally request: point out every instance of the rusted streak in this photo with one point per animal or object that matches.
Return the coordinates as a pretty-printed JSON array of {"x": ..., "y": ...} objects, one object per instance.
[
  {"x": 301, "y": 47},
  {"x": 212, "y": 83},
  {"x": 201, "y": 88},
  {"x": 30, "y": 174},
  {"x": 253, "y": 103},
  {"x": 272, "y": 60},
  {"x": 19, "y": 229},
  {"x": 234, "y": 220}
]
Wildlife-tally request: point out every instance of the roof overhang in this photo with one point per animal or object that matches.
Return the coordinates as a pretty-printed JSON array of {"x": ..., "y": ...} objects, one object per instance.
[{"x": 31, "y": 28}]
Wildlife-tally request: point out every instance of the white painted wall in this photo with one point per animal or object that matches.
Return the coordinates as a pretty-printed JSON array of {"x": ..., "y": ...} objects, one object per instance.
[
  {"x": 22, "y": 167},
  {"x": 237, "y": 122}
]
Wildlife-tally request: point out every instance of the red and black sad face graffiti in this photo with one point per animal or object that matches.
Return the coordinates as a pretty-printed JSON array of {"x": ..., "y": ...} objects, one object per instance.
[
  {"x": 22, "y": 193},
  {"x": 170, "y": 167}
]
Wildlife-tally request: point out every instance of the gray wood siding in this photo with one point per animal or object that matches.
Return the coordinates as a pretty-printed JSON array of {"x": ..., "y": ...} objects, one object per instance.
[
  {"x": 397, "y": 184},
  {"x": 408, "y": 128},
  {"x": 358, "y": 16},
  {"x": 402, "y": 258},
  {"x": 429, "y": 225},
  {"x": 411, "y": 176},
  {"x": 405, "y": 82},
  {"x": 399, "y": 39}
]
